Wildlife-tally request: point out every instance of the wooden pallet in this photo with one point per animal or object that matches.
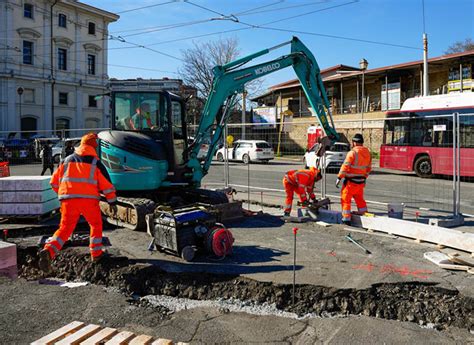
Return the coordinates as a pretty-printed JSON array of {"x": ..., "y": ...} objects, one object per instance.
[{"x": 79, "y": 333}]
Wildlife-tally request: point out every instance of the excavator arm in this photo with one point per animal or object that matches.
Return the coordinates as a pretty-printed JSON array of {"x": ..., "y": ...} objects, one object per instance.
[{"x": 229, "y": 80}]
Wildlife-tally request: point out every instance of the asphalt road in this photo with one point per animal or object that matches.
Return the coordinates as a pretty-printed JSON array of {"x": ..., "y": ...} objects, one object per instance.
[{"x": 382, "y": 186}]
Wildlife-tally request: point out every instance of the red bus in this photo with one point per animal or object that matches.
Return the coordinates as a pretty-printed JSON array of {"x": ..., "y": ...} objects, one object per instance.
[{"x": 419, "y": 137}]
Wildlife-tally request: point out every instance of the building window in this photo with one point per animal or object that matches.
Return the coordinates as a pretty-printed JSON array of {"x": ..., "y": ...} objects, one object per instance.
[
  {"x": 28, "y": 11},
  {"x": 91, "y": 64},
  {"x": 62, "y": 20},
  {"x": 63, "y": 98},
  {"x": 91, "y": 28},
  {"x": 92, "y": 102},
  {"x": 62, "y": 59},
  {"x": 28, "y": 52},
  {"x": 28, "y": 124}
]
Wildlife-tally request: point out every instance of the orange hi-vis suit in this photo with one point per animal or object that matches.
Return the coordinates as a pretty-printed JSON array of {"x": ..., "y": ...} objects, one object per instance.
[
  {"x": 79, "y": 180},
  {"x": 300, "y": 182},
  {"x": 354, "y": 171}
]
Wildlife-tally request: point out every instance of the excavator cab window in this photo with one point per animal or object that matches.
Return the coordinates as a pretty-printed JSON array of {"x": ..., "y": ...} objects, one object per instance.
[{"x": 140, "y": 111}]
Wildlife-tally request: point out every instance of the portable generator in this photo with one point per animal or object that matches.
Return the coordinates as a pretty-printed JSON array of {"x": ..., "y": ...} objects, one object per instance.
[{"x": 184, "y": 231}]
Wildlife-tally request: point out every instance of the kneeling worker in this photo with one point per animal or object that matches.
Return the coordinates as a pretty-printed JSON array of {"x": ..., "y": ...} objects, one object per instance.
[
  {"x": 353, "y": 175},
  {"x": 300, "y": 182},
  {"x": 79, "y": 180}
]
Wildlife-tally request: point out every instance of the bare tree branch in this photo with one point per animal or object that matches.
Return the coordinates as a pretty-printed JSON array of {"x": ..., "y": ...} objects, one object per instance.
[{"x": 460, "y": 46}]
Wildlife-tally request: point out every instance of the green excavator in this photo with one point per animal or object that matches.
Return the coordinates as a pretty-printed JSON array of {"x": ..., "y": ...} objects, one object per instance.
[{"x": 147, "y": 153}]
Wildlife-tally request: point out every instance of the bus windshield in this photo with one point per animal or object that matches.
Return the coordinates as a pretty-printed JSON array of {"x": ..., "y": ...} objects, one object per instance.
[{"x": 138, "y": 111}]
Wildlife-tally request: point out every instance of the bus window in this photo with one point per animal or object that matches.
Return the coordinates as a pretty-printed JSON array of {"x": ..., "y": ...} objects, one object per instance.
[
  {"x": 467, "y": 131},
  {"x": 396, "y": 132}
]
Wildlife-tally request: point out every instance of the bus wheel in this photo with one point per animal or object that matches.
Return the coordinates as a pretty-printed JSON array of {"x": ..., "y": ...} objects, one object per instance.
[{"x": 423, "y": 167}]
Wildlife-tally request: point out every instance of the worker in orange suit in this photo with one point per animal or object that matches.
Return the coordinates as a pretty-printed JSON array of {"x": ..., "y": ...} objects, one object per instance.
[
  {"x": 300, "y": 182},
  {"x": 353, "y": 175},
  {"x": 79, "y": 181}
]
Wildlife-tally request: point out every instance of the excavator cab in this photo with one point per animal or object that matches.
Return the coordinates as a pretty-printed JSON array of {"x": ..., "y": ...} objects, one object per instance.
[{"x": 146, "y": 148}]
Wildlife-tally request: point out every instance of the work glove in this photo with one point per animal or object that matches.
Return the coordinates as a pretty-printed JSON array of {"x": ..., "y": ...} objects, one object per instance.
[
  {"x": 338, "y": 182},
  {"x": 305, "y": 203},
  {"x": 113, "y": 209}
]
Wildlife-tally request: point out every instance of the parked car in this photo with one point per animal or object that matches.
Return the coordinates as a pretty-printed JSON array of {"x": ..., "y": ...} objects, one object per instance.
[
  {"x": 335, "y": 156},
  {"x": 248, "y": 151}
]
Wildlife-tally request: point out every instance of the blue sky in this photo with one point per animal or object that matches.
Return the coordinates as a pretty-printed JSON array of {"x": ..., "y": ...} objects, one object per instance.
[{"x": 397, "y": 22}]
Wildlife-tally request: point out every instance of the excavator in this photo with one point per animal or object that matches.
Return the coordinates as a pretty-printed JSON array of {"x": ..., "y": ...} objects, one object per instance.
[{"x": 147, "y": 153}]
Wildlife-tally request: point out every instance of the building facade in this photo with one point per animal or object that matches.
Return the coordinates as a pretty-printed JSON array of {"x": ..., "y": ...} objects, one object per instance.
[{"x": 53, "y": 66}]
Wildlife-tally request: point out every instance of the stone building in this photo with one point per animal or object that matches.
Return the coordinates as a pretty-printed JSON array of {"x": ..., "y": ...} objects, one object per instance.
[{"x": 53, "y": 65}]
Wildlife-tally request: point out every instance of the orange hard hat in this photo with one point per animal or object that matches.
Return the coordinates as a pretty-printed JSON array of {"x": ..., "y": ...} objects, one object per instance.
[{"x": 90, "y": 139}]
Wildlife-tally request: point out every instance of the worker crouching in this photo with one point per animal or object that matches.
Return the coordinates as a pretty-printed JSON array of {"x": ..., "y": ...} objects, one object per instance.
[
  {"x": 353, "y": 175},
  {"x": 79, "y": 181},
  {"x": 300, "y": 182}
]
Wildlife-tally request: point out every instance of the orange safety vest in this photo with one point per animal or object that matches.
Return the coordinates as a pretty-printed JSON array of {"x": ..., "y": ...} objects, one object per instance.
[
  {"x": 357, "y": 165},
  {"x": 303, "y": 181},
  {"x": 83, "y": 176}
]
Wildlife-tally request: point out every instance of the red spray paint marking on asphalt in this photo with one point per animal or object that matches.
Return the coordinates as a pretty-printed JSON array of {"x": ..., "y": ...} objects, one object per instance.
[{"x": 389, "y": 268}]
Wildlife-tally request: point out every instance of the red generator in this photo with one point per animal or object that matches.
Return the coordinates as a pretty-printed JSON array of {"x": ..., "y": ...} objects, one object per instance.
[{"x": 314, "y": 133}]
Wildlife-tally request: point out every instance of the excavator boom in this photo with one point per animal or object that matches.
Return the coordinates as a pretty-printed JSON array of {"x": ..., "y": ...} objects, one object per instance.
[{"x": 230, "y": 79}]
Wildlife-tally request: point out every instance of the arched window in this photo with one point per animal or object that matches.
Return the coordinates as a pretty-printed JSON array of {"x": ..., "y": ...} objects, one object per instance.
[
  {"x": 62, "y": 125},
  {"x": 91, "y": 122},
  {"x": 29, "y": 124}
]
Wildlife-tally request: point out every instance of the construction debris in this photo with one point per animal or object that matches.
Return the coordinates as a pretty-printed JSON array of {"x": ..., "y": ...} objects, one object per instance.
[{"x": 448, "y": 262}]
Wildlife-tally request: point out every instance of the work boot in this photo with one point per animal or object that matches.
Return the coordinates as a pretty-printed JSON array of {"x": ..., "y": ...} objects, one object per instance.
[
  {"x": 44, "y": 262},
  {"x": 100, "y": 258},
  {"x": 286, "y": 214},
  {"x": 347, "y": 222}
]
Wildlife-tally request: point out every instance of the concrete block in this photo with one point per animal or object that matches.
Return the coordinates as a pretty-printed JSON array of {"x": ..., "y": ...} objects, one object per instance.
[
  {"x": 330, "y": 216},
  {"x": 8, "y": 260},
  {"x": 8, "y": 197},
  {"x": 22, "y": 209},
  {"x": 35, "y": 196},
  {"x": 45, "y": 207},
  {"x": 25, "y": 183},
  {"x": 29, "y": 208},
  {"x": 418, "y": 231}
]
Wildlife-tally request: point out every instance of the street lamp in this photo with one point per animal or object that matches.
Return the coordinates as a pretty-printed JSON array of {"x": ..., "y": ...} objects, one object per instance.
[
  {"x": 363, "y": 64},
  {"x": 19, "y": 91}
]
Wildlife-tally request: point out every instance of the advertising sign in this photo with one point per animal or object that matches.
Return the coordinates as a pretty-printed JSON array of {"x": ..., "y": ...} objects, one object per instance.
[{"x": 264, "y": 117}]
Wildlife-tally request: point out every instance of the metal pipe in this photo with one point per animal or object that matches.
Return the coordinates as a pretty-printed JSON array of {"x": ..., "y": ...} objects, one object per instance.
[
  {"x": 248, "y": 179},
  {"x": 244, "y": 93},
  {"x": 226, "y": 158},
  {"x": 461, "y": 86},
  {"x": 363, "y": 103},
  {"x": 53, "y": 81},
  {"x": 458, "y": 166},
  {"x": 323, "y": 173},
  {"x": 454, "y": 166}
]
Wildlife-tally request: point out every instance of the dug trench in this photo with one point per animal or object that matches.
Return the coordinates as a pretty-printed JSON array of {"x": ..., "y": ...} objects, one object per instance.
[{"x": 417, "y": 302}]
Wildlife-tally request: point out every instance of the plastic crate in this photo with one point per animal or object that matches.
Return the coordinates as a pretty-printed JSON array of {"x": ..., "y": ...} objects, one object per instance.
[{"x": 4, "y": 169}]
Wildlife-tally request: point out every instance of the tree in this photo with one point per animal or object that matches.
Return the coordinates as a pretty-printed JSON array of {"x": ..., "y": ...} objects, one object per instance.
[
  {"x": 460, "y": 46},
  {"x": 199, "y": 61}
]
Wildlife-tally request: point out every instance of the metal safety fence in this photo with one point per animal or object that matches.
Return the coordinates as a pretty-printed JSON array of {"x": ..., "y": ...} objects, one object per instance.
[{"x": 426, "y": 164}]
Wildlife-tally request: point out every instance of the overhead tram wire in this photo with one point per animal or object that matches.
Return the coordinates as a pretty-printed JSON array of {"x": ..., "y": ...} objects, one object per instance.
[
  {"x": 148, "y": 6},
  {"x": 259, "y": 7}
]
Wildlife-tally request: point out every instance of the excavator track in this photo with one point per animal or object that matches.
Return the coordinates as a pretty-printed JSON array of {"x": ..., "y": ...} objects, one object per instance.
[{"x": 131, "y": 213}]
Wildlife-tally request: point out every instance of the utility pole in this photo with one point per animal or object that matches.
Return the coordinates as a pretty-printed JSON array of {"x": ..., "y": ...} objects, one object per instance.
[
  {"x": 363, "y": 64},
  {"x": 244, "y": 94},
  {"x": 426, "y": 88}
]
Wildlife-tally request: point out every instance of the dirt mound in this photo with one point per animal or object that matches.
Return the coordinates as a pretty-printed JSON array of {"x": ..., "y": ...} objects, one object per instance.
[{"x": 415, "y": 302}]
